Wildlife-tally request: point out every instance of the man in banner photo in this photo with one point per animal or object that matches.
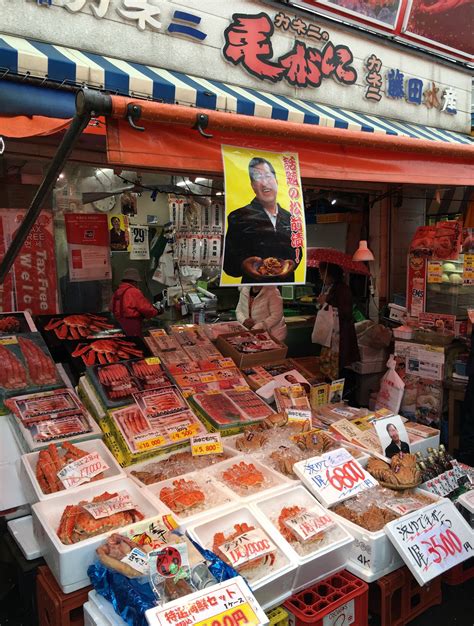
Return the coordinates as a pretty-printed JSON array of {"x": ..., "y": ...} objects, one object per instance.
[{"x": 265, "y": 227}]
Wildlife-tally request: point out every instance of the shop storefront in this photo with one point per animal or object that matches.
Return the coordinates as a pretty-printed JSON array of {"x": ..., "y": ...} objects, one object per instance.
[{"x": 121, "y": 142}]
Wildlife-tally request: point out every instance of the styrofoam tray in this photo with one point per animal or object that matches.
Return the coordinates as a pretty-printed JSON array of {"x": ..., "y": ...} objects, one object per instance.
[
  {"x": 372, "y": 554},
  {"x": 218, "y": 497},
  {"x": 32, "y": 486},
  {"x": 69, "y": 563},
  {"x": 324, "y": 559},
  {"x": 21, "y": 530},
  {"x": 270, "y": 587},
  {"x": 138, "y": 467},
  {"x": 273, "y": 482}
]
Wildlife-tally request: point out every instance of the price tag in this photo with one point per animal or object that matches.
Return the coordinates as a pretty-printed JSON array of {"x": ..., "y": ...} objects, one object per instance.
[
  {"x": 435, "y": 272},
  {"x": 8, "y": 341},
  {"x": 468, "y": 269},
  {"x": 228, "y": 603},
  {"x": 432, "y": 540},
  {"x": 153, "y": 360},
  {"x": 342, "y": 616},
  {"x": 334, "y": 476},
  {"x": 138, "y": 560},
  {"x": 210, "y": 443},
  {"x": 403, "y": 506},
  {"x": 150, "y": 442},
  {"x": 98, "y": 510},
  {"x": 183, "y": 432},
  {"x": 247, "y": 547},
  {"x": 308, "y": 524},
  {"x": 82, "y": 470}
]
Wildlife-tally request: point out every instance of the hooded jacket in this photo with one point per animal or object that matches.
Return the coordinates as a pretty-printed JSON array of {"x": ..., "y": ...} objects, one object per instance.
[
  {"x": 129, "y": 307},
  {"x": 266, "y": 311}
]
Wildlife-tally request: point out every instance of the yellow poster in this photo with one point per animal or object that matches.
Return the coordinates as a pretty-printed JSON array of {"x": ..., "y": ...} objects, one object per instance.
[
  {"x": 265, "y": 235},
  {"x": 118, "y": 231}
]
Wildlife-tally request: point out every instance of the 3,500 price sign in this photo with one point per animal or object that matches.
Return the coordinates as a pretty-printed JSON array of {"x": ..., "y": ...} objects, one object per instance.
[
  {"x": 334, "y": 476},
  {"x": 432, "y": 540}
]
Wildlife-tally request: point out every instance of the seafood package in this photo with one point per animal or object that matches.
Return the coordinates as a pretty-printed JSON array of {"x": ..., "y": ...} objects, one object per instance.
[
  {"x": 248, "y": 342},
  {"x": 27, "y": 365},
  {"x": 116, "y": 383},
  {"x": 261, "y": 375},
  {"x": 223, "y": 379},
  {"x": 291, "y": 397},
  {"x": 192, "y": 494},
  {"x": 245, "y": 478},
  {"x": 142, "y": 434},
  {"x": 221, "y": 407},
  {"x": 251, "y": 347},
  {"x": 375, "y": 507},
  {"x": 202, "y": 353},
  {"x": 16, "y": 322},
  {"x": 189, "y": 367},
  {"x": 175, "y": 464},
  {"x": 105, "y": 512},
  {"x": 164, "y": 342},
  {"x": 156, "y": 402},
  {"x": 86, "y": 353},
  {"x": 190, "y": 335},
  {"x": 222, "y": 328}
]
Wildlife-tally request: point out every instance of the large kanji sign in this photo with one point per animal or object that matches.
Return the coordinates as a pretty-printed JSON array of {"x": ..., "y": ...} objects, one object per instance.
[{"x": 248, "y": 43}]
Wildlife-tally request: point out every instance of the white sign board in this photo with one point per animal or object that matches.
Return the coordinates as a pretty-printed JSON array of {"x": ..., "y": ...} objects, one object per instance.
[
  {"x": 334, "y": 476},
  {"x": 432, "y": 540}
]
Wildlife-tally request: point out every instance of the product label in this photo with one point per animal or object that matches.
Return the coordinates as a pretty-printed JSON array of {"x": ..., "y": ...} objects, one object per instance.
[
  {"x": 183, "y": 432},
  {"x": 403, "y": 506},
  {"x": 361, "y": 553},
  {"x": 308, "y": 524},
  {"x": 82, "y": 470},
  {"x": 247, "y": 547},
  {"x": 138, "y": 560},
  {"x": 210, "y": 443},
  {"x": 120, "y": 503},
  {"x": 148, "y": 441},
  {"x": 342, "y": 616}
]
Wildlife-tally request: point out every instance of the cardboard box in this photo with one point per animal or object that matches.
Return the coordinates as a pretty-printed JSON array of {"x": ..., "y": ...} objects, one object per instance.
[{"x": 248, "y": 359}]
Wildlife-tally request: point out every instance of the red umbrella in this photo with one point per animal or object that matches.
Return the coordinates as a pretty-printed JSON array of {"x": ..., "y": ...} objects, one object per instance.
[{"x": 316, "y": 256}]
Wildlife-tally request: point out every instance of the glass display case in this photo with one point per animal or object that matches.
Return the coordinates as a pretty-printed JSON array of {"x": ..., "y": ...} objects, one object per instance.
[{"x": 450, "y": 296}]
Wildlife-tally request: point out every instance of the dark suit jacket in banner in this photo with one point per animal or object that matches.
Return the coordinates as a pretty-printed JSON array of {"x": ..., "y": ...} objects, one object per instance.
[
  {"x": 393, "y": 449},
  {"x": 250, "y": 232}
]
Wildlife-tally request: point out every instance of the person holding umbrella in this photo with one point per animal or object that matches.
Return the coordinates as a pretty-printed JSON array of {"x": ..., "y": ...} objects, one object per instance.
[{"x": 343, "y": 350}]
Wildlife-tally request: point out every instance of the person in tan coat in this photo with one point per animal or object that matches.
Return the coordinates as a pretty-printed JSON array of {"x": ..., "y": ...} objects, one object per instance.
[{"x": 261, "y": 308}]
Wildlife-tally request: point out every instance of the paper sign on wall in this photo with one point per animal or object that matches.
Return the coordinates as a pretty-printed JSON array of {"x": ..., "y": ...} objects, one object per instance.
[
  {"x": 432, "y": 540},
  {"x": 140, "y": 250},
  {"x": 88, "y": 246}
]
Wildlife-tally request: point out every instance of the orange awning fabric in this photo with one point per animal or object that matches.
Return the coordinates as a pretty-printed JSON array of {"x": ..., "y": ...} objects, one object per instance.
[
  {"x": 21, "y": 126},
  {"x": 169, "y": 142}
]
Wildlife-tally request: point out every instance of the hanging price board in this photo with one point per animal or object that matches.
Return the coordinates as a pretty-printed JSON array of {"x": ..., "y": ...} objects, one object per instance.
[
  {"x": 432, "y": 540},
  {"x": 230, "y": 603},
  {"x": 334, "y": 476},
  {"x": 206, "y": 444}
]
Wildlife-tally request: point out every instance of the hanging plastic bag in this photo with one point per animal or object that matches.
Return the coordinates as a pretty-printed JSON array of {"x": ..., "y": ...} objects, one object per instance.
[
  {"x": 391, "y": 390},
  {"x": 323, "y": 326}
]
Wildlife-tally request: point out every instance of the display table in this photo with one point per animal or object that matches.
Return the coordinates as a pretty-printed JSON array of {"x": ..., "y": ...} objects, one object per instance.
[{"x": 456, "y": 391}]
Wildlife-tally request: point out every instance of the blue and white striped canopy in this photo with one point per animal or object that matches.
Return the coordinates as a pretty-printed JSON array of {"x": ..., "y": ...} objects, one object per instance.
[{"x": 74, "y": 67}]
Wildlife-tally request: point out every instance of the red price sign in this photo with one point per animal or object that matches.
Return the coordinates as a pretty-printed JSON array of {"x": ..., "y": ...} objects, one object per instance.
[
  {"x": 345, "y": 476},
  {"x": 443, "y": 545}
]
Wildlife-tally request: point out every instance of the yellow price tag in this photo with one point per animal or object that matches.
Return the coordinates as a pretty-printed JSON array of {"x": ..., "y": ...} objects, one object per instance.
[
  {"x": 184, "y": 433},
  {"x": 210, "y": 443},
  {"x": 242, "y": 614},
  {"x": 209, "y": 378},
  {"x": 153, "y": 360},
  {"x": 8, "y": 341},
  {"x": 149, "y": 444},
  {"x": 241, "y": 388}
]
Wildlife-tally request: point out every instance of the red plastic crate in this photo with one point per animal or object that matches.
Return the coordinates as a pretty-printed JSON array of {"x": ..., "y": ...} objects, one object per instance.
[
  {"x": 56, "y": 608},
  {"x": 460, "y": 573},
  {"x": 312, "y": 605},
  {"x": 397, "y": 598}
]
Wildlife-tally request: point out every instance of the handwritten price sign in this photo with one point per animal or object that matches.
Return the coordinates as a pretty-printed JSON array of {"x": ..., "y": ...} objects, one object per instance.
[
  {"x": 334, "y": 476},
  {"x": 432, "y": 540},
  {"x": 206, "y": 444},
  {"x": 82, "y": 470}
]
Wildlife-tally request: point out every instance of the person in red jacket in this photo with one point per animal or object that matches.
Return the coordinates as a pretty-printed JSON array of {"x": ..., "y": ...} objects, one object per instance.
[{"x": 129, "y": 305}]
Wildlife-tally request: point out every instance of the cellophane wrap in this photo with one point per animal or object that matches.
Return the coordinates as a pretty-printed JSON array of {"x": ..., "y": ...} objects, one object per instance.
[{"x": 129, "y": 597}]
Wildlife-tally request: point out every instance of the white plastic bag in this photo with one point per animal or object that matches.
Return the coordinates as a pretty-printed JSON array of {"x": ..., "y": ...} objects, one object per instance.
[
  {"x": 323, "y": 326},
  {"x": 391, "y": 390}
]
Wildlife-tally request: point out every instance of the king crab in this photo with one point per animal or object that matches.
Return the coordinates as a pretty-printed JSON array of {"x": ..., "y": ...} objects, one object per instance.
[
  {"x": 185, "y": 494},
  {"x": 106, "y": 351},
  {"x": 50, "y": 462},
  {"x": 244, "y": 476},
  {"x": 239, "y": 533},
  {"x": 77, "y": 326}
]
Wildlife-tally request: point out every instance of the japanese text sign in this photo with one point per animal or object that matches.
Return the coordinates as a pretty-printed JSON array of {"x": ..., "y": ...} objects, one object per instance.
[
  {"x": 121, "y": 502},
  {"x": 82, "y": 470},
  {"x": 265, "y": 235},
  {"x": 229, "y": 603},
  {"x": 334, "y": 476},
  {"x": 206, "y": 444},
  {"x": 432, "y": 540}
]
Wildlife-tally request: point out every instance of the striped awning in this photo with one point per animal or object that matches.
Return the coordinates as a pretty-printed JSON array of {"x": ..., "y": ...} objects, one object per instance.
[{"x": 74, "y": 67}]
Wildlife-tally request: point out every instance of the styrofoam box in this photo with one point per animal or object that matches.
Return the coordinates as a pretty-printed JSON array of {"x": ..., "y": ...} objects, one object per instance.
[
  {"x": 25, "y": 435},
  {"x": 32, "y": 486},
  {"x": 422, "y": 445},
  {"x": 372, "y": 554},
  {"x": 323, "y": 560},
  {"x": 213, "y": 490},
  {"x": 21, "y": 530},
  {"x": 99, "y": 612},
  {"x": 12, "y": 494},
  {"x": 466, "y": 502},
  {"x": 277, "y": 584},
  {"x": 139, "y": 467},
  {"x": 274, "y": 482},
  {"x": 69, "y": 563}
]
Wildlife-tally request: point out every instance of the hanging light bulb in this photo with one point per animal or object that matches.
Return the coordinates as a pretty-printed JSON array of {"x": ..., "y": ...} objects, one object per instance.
[{"x": 363, "y": 253}]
